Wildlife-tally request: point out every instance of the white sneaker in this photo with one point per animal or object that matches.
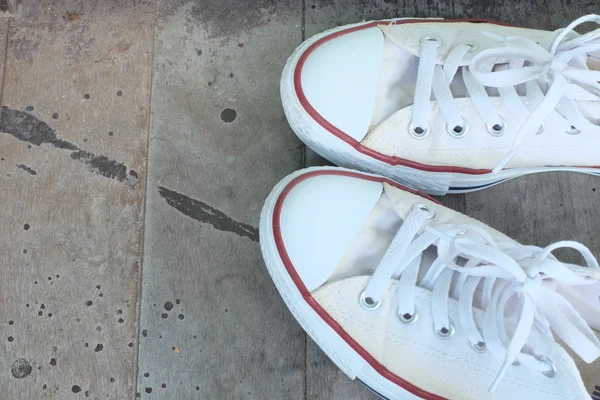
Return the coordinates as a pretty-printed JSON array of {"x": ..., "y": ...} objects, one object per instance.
[
  {"x": 376, "y": 96},
  {"x": 420, "y": 302}
]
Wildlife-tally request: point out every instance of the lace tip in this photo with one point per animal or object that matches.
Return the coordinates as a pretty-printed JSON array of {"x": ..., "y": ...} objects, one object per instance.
[
  {"x": 493, "y": 386},
  {"x": 503, "y": 162},
  {"x": 493, "y": 35},
  {"x": 499, "y": 377}
]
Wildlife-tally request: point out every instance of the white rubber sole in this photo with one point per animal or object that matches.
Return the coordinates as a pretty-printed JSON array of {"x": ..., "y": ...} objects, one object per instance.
[
  {"x": 340, "y": 352},
  {"x": 343, "y": 154}
]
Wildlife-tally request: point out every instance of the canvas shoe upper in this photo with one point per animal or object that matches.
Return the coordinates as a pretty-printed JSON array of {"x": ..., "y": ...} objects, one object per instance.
[
  {"x": 418, "y": 301},
  {"x": 448, "y": 105}
]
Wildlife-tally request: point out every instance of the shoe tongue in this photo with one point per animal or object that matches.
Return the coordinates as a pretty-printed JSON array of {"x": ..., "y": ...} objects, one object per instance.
[{"x": 409, "y": 35}]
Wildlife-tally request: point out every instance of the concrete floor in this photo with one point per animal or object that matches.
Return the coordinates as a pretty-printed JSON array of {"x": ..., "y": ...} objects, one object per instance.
[{"x": 138, "y": 140}]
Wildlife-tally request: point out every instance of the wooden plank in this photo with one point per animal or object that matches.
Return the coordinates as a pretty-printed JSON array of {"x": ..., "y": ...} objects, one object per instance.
[
  {"x": 73, "y": 140},
  {"x": 213, "y": 325},
  {"x": 539, "y": 14}
]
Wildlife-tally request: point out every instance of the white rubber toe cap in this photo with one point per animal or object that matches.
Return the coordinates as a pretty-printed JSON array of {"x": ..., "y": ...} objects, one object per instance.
[
  {"x": 320, "y": 217},
  {"x": 340, "y": 76}
]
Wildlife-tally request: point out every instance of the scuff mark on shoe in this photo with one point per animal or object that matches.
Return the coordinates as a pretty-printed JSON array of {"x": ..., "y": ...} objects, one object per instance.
[
  {"x": 26, "y": 168},
  {"x": 206, "y": 214},
  {"x": 28, "y": 128}
]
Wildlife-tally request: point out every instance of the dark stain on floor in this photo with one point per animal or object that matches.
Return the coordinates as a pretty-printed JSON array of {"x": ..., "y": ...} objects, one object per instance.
[
  {"x": 204, "y": 213},
  {"x": 102, "y": 165},
  {"x": 227, "y": 18},
  {"x": 21, "y": 368},
  {"x": 24, "y": 167},
  {"x": 28, "y": 128}
]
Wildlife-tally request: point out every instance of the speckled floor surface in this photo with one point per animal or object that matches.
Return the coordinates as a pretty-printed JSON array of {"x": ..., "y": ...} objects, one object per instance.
[{"x": 138, "y": 140}]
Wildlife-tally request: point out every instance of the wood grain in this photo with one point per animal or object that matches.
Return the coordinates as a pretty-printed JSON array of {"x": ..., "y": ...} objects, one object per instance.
[
  {"x": 72, "y": 177},
  {"x": 213, "y": 325}
]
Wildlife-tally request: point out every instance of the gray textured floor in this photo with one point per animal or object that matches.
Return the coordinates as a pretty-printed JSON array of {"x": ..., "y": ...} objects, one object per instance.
[{"x": 137, "y": 145}]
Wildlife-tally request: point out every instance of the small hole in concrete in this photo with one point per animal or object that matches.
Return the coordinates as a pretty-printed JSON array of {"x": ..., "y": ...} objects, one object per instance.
[
  {"x": 228, "y": 115},
  {"x": 119, "y": 93},
  {"x": 55, "y": 115},
  {"x": 86, "y": 96}
]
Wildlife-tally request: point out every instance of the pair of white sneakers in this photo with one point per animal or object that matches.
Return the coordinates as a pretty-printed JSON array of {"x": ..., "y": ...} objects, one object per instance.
[{"x": 411, "y": 298}]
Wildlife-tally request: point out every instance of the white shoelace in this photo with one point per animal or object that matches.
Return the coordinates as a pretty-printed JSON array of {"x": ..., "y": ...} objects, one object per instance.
[
  {"x": 516, "y": 290},
  {"x": 555, "y": 75}
]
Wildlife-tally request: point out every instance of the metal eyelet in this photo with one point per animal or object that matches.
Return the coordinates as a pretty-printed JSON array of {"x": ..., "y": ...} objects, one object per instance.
[
  {"x": 458, "y": 131},
  {"x": 546, "y": 360},
  {"x": 473, "y": 46},
  {"x": 573, "y": 131},
  {"x": 409, "y": 319},
  {"x": 497, "y": 130},
  {"x": 418, "y": 132},
  {"x": 479, "y": 347},
  {"x": 431, "y": 38},
  {"x": 445, "y": 333},
  {"x": 368, "y": 303},
  {"x": 541, "y": 129},
  {"x": 423, "y": 207}
]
